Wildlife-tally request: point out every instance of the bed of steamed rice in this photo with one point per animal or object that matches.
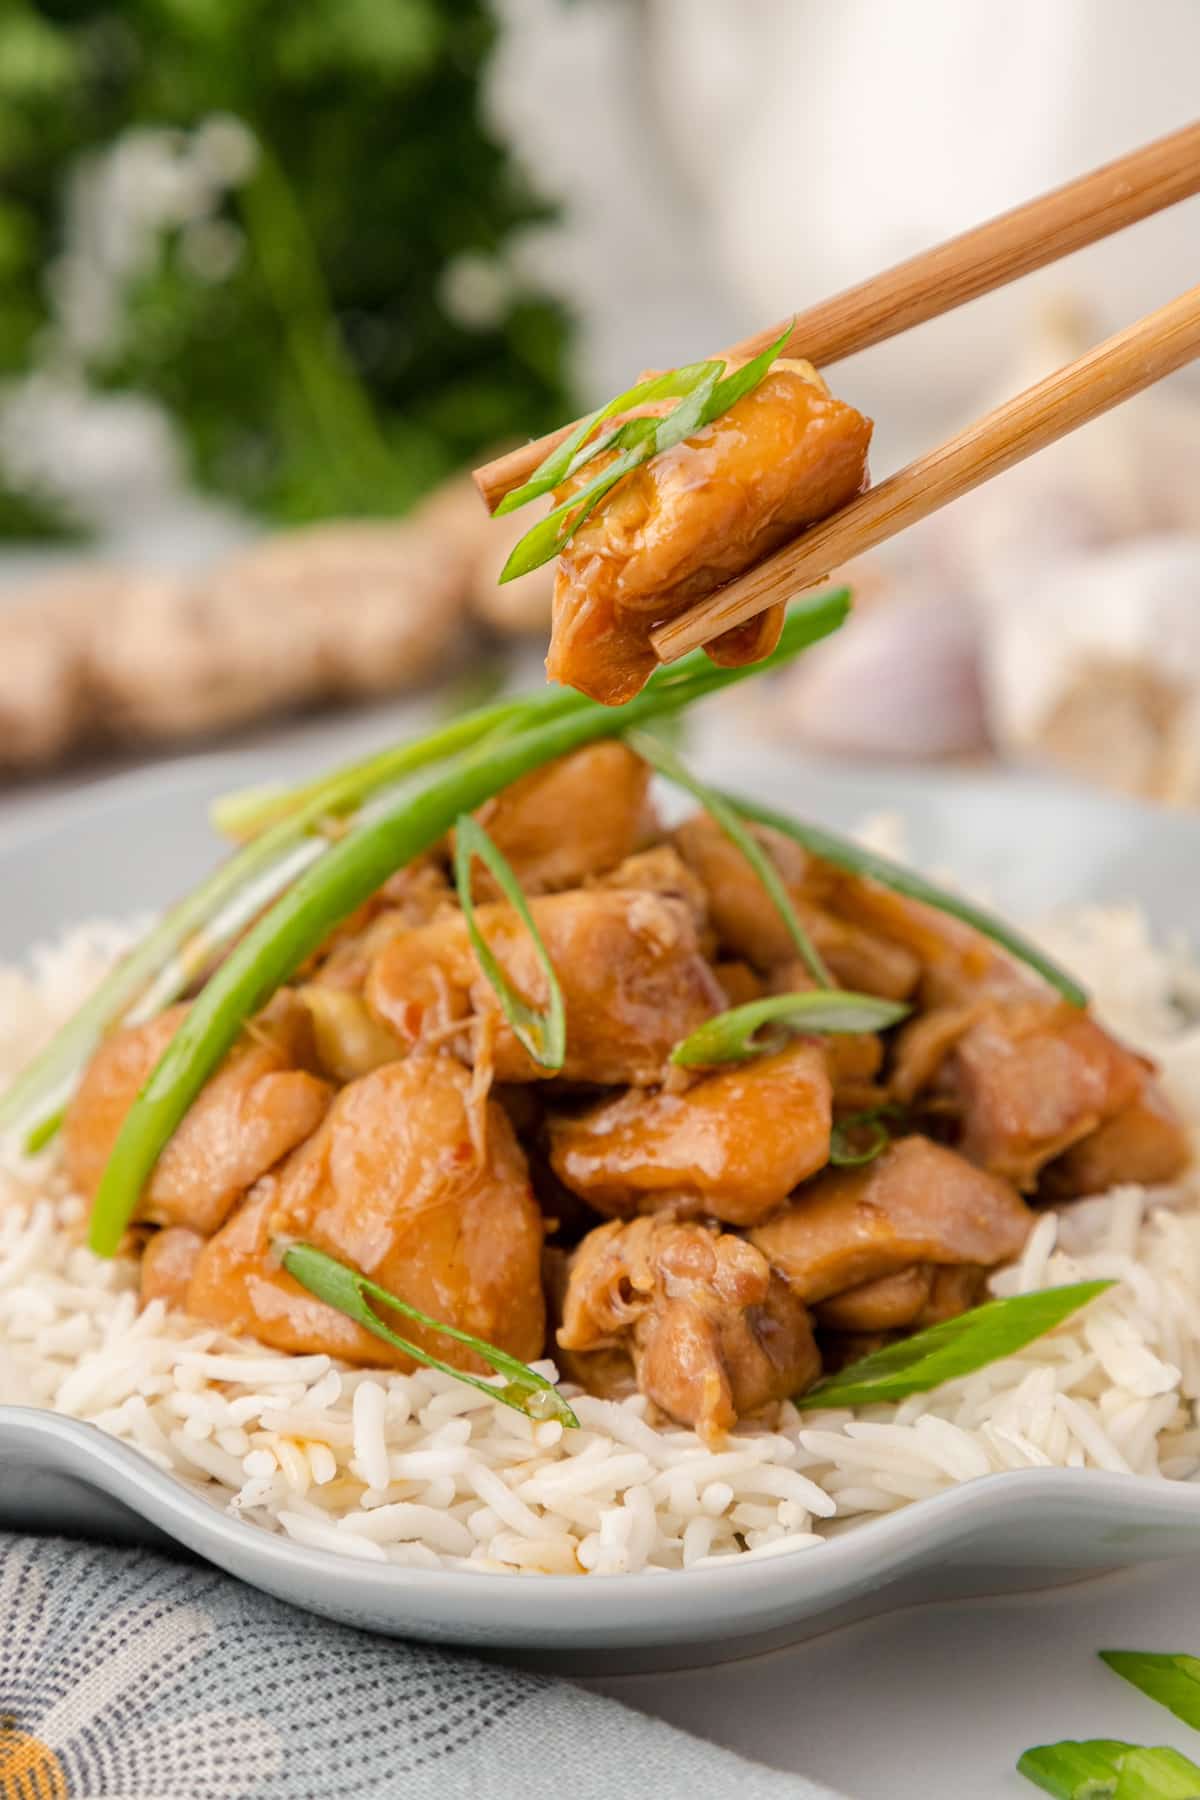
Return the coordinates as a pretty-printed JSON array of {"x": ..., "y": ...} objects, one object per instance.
[{"x": 422, "y": 1471}]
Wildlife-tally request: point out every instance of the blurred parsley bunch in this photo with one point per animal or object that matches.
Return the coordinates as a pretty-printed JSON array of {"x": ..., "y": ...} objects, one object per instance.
[{"x": 285, "y": 220}]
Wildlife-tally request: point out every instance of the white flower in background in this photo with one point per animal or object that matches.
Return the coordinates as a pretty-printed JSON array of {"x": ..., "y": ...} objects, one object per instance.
[
  {"x": 114, "y": 459},
  {"x": 99, "y": 1731},
  {"x": 120, "y": 202}
]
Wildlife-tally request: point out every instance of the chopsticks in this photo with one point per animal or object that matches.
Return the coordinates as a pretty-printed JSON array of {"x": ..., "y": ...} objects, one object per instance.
[
  {"x": 938, "y": 280},
  {"x": 1114, "y": 371}
]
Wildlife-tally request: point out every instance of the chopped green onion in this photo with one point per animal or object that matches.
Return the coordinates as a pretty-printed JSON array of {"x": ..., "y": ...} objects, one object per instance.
[
  {"x": 651, "y": 436},
  {"x": 1076, "y": 1771},
  {"x": 575, "y": 450},
  {"x": 351, "y": 870},
  {"x": 730, "y": 1036},
  {"x": 1173, "y": 1680},
  {"x": 705, "y": 396},
  {"x": 1104, "y": 1769},
  {"x": 544, "y": 1035},
  {"x": 1160, "y": 1773},
  {"x": 847, "y": 1150},
  {"x": 859, "y": 861},
  {"x": 652, "y": 750},
  {"x": 351, "y": 1293},
  {"x": 954, "y": 1348},
  {"x": 743, "y": 381}
]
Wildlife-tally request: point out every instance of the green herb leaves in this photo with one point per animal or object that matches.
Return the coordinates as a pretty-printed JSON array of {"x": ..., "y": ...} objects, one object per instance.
[
  {"x": 544, "y": 1035},
  {"x": 703, "y": 391},
  {"x": 731, "y": 1036},
  {"x": 954, "y": 1348},
  {"x": 351, "y": 1293},
  {"x": 1102, "y": 1769}
]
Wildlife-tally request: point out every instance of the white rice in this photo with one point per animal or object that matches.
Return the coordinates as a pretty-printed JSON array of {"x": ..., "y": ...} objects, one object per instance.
[{"x": 421, "y": 1471}]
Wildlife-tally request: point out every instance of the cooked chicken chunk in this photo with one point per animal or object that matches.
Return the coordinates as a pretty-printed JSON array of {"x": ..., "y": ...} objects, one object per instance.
[
  {"x": 676, "y": 528},
  {"x": 885, "y": 1304},
  {"x": 1031, "y": 1078},
  {"x": 262, "y": 1101},
  {"x": 918, "y": 1202},
  {"x": 570, "y": 819},
  {"x": 749, "y": 924},
  {"x": 1037, "y": 1084},
  {"x": 733, "y": 1146},
  {"x": 955, "y": 1289},
  {"x": 921, "y": 1295},
  {"x": 1145, "y": 1142},
  {"x": 629, "y": 965},
  {"x": 394, "y": 1184},
  {"x": 660, "y": 870},
  {"x": 739, "y": 982},
  {"x": 956, "y": 963},
  {"x": 713, "y": 1333}
]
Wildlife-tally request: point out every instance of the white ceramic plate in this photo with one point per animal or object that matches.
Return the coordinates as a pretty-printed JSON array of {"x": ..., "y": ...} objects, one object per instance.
[{"x": 134, "y": 843}]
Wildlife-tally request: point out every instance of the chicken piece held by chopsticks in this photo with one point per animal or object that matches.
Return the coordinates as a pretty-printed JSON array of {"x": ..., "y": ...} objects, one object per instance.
[{"x": 784, "y": 456}]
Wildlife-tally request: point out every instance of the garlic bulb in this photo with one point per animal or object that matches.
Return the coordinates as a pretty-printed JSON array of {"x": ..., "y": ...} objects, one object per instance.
[
  {"x": 1095, "y": 664},
  {"x": 900, "y": 679}
]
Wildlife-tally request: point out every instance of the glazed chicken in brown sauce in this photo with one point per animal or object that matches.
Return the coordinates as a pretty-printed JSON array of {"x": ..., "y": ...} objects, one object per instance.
[
  {"x": 703, "y": 1232},
  {"x": 782, "y": 458}
]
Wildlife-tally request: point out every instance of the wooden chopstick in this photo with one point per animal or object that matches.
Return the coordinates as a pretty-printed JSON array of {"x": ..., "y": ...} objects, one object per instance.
[
  {"x": 936, "y": 281},
  {"x": 1114, "y": 371}
]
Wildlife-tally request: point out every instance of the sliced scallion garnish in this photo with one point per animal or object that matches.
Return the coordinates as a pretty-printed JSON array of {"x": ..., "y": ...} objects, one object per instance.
[
  {"x": 954, "y": 1348},
  {"x": 351, "y": 1293},
  {"x": 543, "y": 1034},
  {"x": 1173, "y": 1679},
  {"x": 858, "y": 1138},
  {"x": 733, "y": 1036},
  {"x": 1104, "y": 1769},
  {"x": 642, "y": 438},
  {"x": 581, "y": 447},
  {"x": 846, "y": 854},
  {"x": 705, "y": 392},
  {"x": 354, "y": 867},
  {"x": 651, "y": 749}
]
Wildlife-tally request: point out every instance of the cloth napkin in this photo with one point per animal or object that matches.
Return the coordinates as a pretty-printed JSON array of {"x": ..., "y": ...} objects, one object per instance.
[{"x": 128, "y": 1676}]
